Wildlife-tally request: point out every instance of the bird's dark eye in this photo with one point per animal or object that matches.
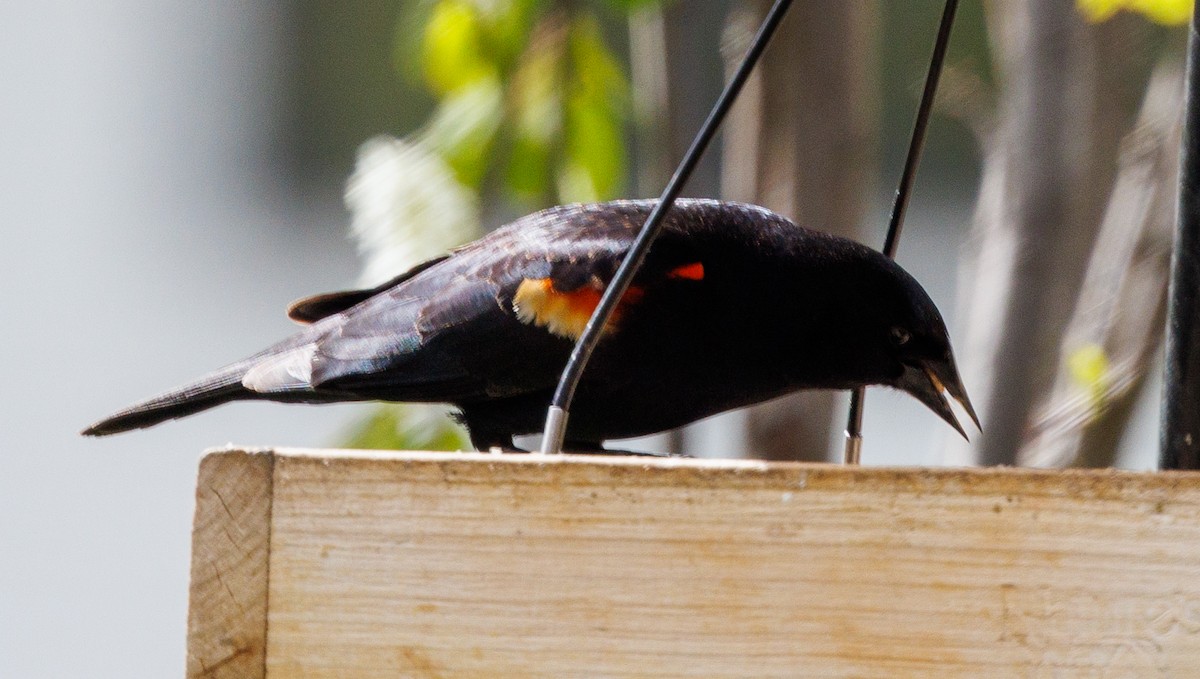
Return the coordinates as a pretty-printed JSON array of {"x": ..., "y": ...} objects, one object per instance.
[{"x": 900, "y": 335}]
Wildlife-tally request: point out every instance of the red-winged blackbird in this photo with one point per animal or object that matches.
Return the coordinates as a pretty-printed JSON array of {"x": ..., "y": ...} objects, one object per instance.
[{"x": 734, "y": 305}]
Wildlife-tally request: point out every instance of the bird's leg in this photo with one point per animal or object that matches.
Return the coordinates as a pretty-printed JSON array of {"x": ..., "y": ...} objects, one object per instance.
[
  {"x": 487, "y": 441},
  {"x": 485, "y": 438}
]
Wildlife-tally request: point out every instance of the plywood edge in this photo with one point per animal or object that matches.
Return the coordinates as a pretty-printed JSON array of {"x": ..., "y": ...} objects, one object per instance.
[
  {"x": 634, "y": 471},
  {"x": 227, "y": 613}
]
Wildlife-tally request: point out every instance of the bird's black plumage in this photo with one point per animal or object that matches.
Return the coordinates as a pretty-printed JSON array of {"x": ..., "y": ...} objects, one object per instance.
[{"x": 734, "y": 305}]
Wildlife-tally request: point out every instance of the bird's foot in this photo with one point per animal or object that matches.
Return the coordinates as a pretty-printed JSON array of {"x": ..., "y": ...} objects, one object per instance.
[
  {"x": 504, "y": 450},
  {"x": 582, "y": 448}
]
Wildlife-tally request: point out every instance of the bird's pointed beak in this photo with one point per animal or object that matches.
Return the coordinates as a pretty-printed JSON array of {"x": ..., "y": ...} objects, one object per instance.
[{"x": 934, "y": 383}]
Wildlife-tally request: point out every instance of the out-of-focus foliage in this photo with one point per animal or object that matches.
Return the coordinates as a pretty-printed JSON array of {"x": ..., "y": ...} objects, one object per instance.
[
  {"x": 455, "y": 46},
  {"x": 463, "y": 129},
  {"x": 1166, "y": 12},
  {"x": 1089, "y": 368},
  {"x": 594, "y": 158},
  {"x": 532, "y": 104},
  {"x": 531, "y": 97},
  {"x": 408, "y": 428},
  {"x": 406, "y": 206}
]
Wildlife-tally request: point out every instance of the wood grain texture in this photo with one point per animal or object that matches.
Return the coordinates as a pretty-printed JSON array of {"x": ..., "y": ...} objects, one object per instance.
[
  {"x": 227, "y": 616},
  {"x": 470, "y": 565}
]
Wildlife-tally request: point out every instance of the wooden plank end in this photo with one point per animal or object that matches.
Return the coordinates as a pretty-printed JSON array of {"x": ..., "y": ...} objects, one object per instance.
[{"x": 227, "y": 614}]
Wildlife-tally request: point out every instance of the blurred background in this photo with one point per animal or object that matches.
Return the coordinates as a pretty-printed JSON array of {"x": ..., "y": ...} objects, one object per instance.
[{"x": 175, "y": 173}]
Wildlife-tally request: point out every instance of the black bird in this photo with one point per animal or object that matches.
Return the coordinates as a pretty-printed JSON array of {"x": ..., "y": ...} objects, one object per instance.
[{"x": 734, "y": 305}]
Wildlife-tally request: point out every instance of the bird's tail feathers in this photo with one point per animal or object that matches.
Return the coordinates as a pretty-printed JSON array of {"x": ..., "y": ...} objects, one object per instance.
[{"x": 212, "y": 390}]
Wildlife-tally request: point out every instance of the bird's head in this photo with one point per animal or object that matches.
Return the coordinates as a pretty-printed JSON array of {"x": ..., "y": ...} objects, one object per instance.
[
  {"x": 863, "y": 320},
  {"x": 913, "y": 346}
]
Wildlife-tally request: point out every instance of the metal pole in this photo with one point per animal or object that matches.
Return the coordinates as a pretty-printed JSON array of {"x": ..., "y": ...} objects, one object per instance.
[
  {"x": 1179, "y": 443},
  {"x": 556, "y": 416},
  {"x": 854, "y": 421}
]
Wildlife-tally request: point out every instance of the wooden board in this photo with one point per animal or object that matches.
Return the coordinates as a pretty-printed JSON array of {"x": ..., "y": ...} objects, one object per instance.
[
  {"x": 476, "y": 565},
  {"x": 227, "y": 617}
]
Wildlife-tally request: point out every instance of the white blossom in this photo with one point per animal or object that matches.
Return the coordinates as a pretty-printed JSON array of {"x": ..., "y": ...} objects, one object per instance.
[{"x": 407, "y": 206}]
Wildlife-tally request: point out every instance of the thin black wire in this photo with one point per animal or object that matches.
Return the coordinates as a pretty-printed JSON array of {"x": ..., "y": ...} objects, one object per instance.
[
  {"x": 582, "y": 352},
  {"x": 904, "y": 190}
]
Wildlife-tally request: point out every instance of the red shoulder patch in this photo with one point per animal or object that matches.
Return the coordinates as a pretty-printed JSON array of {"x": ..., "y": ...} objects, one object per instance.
[{"x": 692, "y": 272}]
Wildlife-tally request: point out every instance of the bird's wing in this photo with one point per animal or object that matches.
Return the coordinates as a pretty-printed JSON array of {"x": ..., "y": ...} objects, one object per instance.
[
  {"x": 314, "y": 308},
  {"x": 379, "y": 347},
  {"x": 492, "y": 319},
  {"x": 449, "y": 330}
]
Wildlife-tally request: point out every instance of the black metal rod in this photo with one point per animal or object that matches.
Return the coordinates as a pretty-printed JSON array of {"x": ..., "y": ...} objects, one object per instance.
[
  {"x": 556, "y": 418},
  {"x": 1179, "y": 442},
  {"x": 900, "y": 206}
]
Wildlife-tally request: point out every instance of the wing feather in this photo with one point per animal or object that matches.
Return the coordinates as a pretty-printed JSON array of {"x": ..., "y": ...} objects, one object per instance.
[{"x": 447, "y": 330}]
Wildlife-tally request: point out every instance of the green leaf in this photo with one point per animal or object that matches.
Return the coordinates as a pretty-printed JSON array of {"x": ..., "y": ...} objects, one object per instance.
[
  {"x": 595, "y": 70},
  {"x": 534, "y": 92},
  {"x": 596, "y": 103},
  {"x": 407, "y": 427},
  {"x": 1089, "y": 368},
  {"x": 463, "y": 129},
  {"x": 535, "y": 102},
  {"x": 508, "y": 24},
  {"x": 633, "y": 5},
  {"x": 453, "y": 53},
  {"x": 1166, "y": 12},
  {"x": 595, "y": 151},
  {"x": 528, "y": 172}
]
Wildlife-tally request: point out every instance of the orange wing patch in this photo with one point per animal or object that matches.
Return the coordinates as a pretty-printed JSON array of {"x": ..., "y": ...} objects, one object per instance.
[{"x": 564, "y": 313}]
